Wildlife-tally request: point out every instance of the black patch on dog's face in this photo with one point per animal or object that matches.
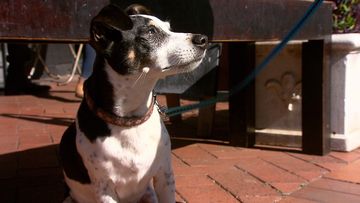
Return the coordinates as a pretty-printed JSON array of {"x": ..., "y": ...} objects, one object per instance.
[
  {"x": 126, "y": 48},
  {"x": 134, "y": 51},
  {"x": 147, "y": 31}
]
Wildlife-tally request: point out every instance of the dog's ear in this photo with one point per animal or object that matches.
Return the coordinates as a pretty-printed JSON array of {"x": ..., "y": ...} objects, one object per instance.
[
  {"x": 106, "y": 27},
  {"x": 134, "y": 9}
]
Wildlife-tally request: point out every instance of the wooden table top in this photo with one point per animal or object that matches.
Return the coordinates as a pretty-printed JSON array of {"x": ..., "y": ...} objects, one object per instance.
[
  {"x": 221, "y": 20},
  {"x": 47, "y": 20}
]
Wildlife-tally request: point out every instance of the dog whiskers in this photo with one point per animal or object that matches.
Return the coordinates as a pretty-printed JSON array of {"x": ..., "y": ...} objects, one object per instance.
[{"x": 145, "y": 70}]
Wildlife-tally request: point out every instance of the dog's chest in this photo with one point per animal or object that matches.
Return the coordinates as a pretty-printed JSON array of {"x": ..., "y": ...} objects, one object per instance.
[{"x": 126, "y": 157}]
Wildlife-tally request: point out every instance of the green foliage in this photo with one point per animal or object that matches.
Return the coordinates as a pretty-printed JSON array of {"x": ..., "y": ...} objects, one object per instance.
[{"x": 345, "y": 16}]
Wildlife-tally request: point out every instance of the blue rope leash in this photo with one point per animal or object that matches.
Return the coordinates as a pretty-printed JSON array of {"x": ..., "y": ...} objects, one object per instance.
[{"x": 295, "y": 29}]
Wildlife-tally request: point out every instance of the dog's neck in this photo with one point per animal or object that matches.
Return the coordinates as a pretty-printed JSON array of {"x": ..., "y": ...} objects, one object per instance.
[
  {"x": 123, "y": 95},
  {"x": 132, "y": 93}
]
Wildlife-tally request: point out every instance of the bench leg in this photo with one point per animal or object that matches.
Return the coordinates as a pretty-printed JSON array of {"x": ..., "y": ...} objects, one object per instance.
[
  {"x": 206, "y": 120},
  {"x": 173, "y": 100},
  {"x": 242, "y": 104},
  {"x": 315, "y": 98}
]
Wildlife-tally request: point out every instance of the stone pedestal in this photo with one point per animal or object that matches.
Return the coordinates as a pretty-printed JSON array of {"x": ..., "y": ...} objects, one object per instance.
[{"x": 345, "y": 92}]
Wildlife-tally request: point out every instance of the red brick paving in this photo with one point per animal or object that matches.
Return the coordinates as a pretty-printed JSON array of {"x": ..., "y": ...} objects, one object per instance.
[
  {"x": 205, "y": 170},
  {"x": 326, "y": 195},
  {"x": 348, "y": 173}
]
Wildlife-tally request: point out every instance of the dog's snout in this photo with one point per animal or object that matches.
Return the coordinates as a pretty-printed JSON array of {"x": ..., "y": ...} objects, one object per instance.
[{"x": 200, "y": 40}]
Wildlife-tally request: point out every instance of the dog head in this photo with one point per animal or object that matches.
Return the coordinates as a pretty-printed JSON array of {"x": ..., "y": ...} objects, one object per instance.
[{"x": 130, "y": 43}]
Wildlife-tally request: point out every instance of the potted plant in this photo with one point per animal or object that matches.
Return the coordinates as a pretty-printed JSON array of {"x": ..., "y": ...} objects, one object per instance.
[{"x": 345, "y": 73}]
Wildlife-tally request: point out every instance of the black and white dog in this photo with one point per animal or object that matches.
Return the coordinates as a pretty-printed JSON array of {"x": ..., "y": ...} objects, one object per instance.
[{"x": 118, "y": 149}]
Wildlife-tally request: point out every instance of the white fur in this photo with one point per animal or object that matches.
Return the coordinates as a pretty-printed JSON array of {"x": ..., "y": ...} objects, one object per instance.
[
  {"x": 178, "y": 52},
  {"x": 123, "y": 165}
]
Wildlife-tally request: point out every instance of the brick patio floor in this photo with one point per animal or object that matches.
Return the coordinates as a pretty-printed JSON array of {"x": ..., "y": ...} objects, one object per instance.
[{"x": 206, "y": 170}]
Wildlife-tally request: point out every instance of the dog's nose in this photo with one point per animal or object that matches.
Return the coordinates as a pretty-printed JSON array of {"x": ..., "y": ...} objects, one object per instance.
[{"x": 200, "y": 40}]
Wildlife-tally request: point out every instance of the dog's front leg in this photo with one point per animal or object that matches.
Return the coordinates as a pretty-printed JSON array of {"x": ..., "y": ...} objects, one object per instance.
[{"x": 164, "y": 183}]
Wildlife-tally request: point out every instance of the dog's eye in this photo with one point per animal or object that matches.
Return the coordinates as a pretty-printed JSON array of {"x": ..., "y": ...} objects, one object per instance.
[{"x": 151, "y": 30}]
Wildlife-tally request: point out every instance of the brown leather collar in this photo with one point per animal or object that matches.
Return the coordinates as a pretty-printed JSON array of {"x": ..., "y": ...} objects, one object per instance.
[{"x": 117, "y": 120}]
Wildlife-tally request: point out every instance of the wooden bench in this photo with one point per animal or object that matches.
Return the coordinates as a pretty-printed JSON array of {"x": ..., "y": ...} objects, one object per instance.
[{"x": 240, "y": 23}]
